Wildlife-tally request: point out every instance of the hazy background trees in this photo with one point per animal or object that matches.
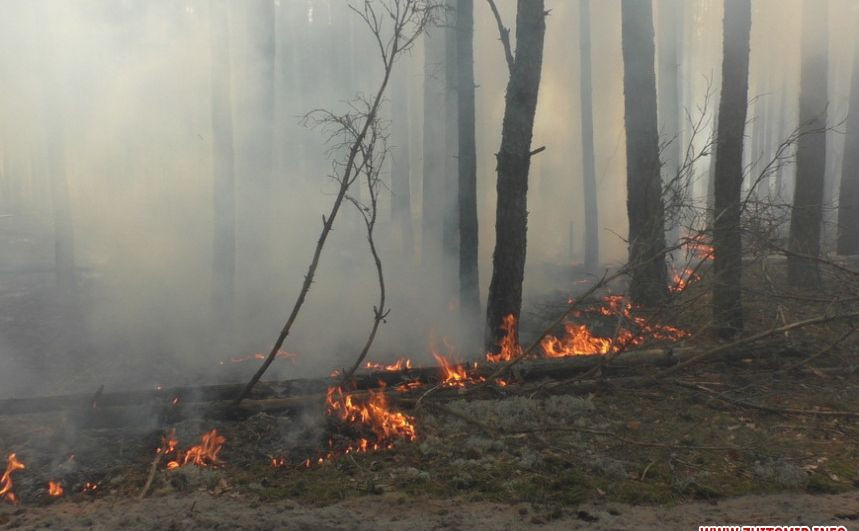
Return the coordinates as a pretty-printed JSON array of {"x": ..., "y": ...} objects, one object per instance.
[{"x": 134, "y": 129}]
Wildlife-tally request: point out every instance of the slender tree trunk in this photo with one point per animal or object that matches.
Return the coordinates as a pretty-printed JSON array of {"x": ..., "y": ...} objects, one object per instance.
[
  {"x": 433, "y": 189},
  {"x": 514, "y": 159},
  {"x": 53, "y": 160},
  {"x": 589, "y": 178},
  {"x": 224, "y": 242},
  {"x": 848, "y": 203},
  {"x": 255, "y": 161},
  {"x": 645, "y": 205},
  {"x": 807, "y": 212},
  {"x": 669, "y": 103},
  {"x": 450, "y": 219},
  {"x": 401, "y": 201},
  {"x": 469, "y": 281},
  {"x": 727, "y": 264}
]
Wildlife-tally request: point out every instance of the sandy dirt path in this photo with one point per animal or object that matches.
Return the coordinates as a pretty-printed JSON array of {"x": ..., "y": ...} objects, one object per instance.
[{"x": 389, "y": 512}]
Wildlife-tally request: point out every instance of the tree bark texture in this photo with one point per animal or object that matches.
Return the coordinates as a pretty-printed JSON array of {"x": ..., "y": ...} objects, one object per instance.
[
  {"x": 513, "y": 164},
  {"x": 727, "y": 264},
  {"x": 645, "y": 206},
  {"x": 807, "y": 212}
]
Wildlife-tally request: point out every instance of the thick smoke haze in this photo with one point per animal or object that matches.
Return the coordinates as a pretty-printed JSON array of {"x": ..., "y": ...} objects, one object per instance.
[{"x": 110, "y": 103}]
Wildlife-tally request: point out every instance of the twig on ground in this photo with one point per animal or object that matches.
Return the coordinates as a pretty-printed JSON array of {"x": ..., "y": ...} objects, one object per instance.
[
  {"x": 770, "y": 409},
  {"x": 620, "y": 438},
  {"x": 822, "y": 352}
]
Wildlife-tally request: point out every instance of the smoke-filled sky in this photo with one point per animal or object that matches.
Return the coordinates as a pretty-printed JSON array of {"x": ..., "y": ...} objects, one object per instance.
[{"x": 115, "y": 97}]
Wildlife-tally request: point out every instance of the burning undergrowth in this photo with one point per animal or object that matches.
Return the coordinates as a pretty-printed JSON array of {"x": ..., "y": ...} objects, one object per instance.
[{"x": 370, "y": 415}]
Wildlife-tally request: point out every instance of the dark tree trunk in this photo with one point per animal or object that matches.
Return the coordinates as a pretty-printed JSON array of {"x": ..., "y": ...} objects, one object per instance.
[
  {"x": 848, "y": 203},
  {"x": 401, "y": 200},
  {"x": 644, "y": 185},
  {"x": 807, "y": 212},
  {"x": 514, "y": 159},
  {"x": 589, "y": 178},
  {"x": 469, "y": 282},
  {"x": 727, "y": 265},
  {"x": 223, "y": 186}
]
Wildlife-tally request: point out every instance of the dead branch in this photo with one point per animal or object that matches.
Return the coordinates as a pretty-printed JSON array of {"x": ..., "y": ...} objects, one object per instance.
[
  {"x": 712, "y": 353},
  {"x": 505, "y": 35},
  {"x": 409, "y": 20},
  {"x": 622, "y": 439},
  {"x": 369, "y": 215},
  {"x": 822, "y": 352},
  {"x": 770, "y": 409}
]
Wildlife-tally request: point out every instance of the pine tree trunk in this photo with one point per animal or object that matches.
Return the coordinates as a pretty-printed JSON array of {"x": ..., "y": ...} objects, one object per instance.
[
  {"x": 589, "y": 178},
  {"x": 514, "y": 159},
  {"x": 669, "y": 103},
  {"x": 645, "y": 205},
  {"x": 807, "y": 212},
  {"x": 450, "y": 219},
  {"x": 848, "y": 203},
  {"x": 727, "y": 265},
  {"x": 401, "y": 200},
  {"x": 469, "y": 281},
  {"x": 433, "y": 186},
  {"x": 223, "y": 169}
]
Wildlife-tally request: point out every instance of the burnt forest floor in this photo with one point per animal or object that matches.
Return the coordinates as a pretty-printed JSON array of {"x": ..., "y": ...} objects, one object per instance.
[
  {"x": 546, "y": 456},
  {"x": 716, "y": 435}
]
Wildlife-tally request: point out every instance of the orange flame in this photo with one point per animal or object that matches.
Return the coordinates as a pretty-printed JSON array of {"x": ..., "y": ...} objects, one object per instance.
[
  {"x": 12, "y": 465},
  {"x": 55, "y": 488},
  {"x": 408, "y": 386},
  {"x": 386, "y": 424},
  {"x": 204, "y": 454},
  {"x": 508, "y": 347},
  {"x": 278, "y": 462},
  {"x": 453, "y": 375},
  {"x": 90, "y": 487},
  {"x": 682, "y": 280},
  {"x": 579, "y": 340},
  {"x": 399, "y": 365}
]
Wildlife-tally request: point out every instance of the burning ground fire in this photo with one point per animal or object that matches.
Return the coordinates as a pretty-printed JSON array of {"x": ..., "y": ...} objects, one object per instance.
[
  {"x": 370, "y": 419},
  {"x": 12, "y": 465},
  {"x": 374, "y": 414},
  {"x": 204, "y": 454}
]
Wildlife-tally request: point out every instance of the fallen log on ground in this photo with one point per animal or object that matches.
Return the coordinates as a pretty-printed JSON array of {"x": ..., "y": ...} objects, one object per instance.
[{"x": 181, "y": 396}]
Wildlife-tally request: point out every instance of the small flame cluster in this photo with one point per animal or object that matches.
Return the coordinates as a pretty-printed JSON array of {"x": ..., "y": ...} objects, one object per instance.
[
  {"x": 12, "y": 466},
  {"x": 204, "y": 454},
  {"x": 634, "y": 331},
  {"x": 55, "y": 489},
  {"x": 509, "y": 347},
  {"x": 374, "y": 413},
  {"x": 698, "y": 250}
]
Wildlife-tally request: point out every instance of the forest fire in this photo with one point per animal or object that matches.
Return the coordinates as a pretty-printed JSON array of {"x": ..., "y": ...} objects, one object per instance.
[
  {"x": 683, "y": 279},
  {"x": 632, "y": 330},
  {"x": 12, "y": 465},
  {"x": 508, "y": 348},
  {"x": 204, "y": 454},
  {"x": 453, "y": 375},
  {"x": 578, "y": 341},
  {"x": 374, "y": 414},
  {"x": 400, "y": 365},
  {"x": 55, "y": 489}
]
